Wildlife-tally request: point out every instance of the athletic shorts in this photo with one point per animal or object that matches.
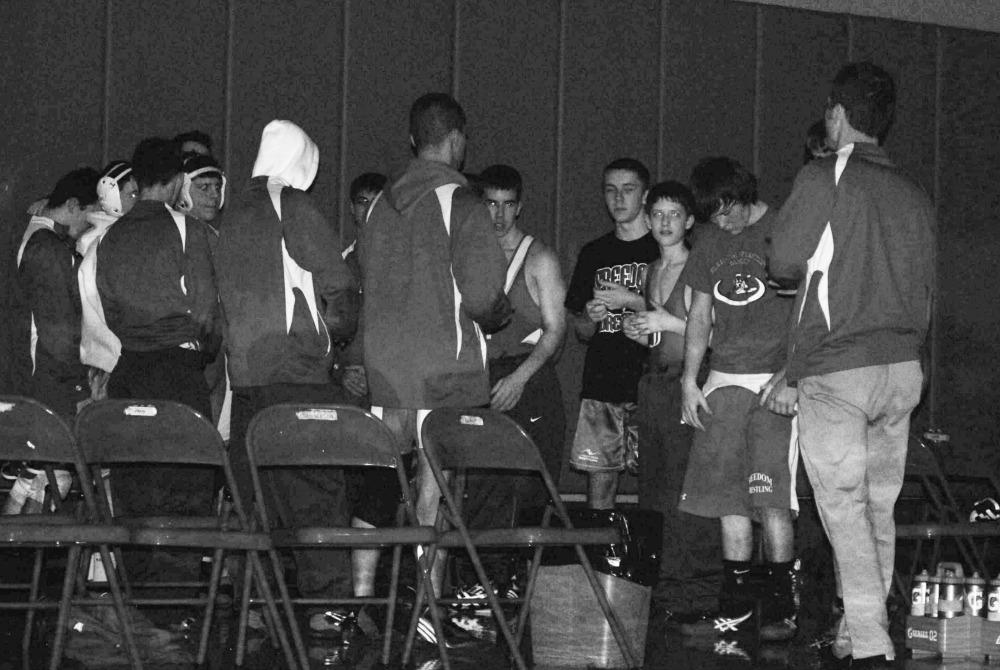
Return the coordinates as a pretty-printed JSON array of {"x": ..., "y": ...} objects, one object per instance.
[
  {"x": 601, "y": 434},
  {"x": 373, "y": 493},
  {"x": 741, "y": 461}
]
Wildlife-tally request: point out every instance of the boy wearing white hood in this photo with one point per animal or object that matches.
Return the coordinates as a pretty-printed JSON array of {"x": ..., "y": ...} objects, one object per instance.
[{"x": 288, "y": 296}]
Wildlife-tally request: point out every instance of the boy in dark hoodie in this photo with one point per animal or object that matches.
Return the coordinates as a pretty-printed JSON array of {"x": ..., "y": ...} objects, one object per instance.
[
  {"x": 433, "y": 277},
  {"x": 288, "y": 298}
]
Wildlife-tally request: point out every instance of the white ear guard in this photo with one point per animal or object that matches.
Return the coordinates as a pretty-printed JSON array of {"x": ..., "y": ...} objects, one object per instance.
[
  {"x": 108, "y": 188},
  {"x": 184, "y": 203}
]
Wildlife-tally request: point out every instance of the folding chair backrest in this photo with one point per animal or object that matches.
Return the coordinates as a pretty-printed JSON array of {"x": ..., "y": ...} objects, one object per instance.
[
  {"x": 320, "y": 435},
  {"x": 479, "y": 438},
  {"x": 30, "y": 431},
  {"x": 147, "y": 431}
]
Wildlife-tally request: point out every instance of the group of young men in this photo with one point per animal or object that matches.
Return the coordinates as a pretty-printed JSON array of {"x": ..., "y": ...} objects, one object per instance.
[{"x": 765, "y": 332}]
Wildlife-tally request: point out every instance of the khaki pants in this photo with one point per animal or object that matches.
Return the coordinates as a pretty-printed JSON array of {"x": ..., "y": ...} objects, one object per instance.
[{"x": 853, "y": 432}]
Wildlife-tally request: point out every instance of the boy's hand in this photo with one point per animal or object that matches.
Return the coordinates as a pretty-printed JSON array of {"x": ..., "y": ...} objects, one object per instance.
[
  {"x": 506, "y": 393},
  {"x": 355, "y": 380},
  {"x": 657, "y": 319},
  {"x": 631, "y": 330},
  {"x": 596, "y": 310},
  {"x": 691, "y": 399},
  {"x": 614, "y": 296},
  {"x": 778, "y": 396}
]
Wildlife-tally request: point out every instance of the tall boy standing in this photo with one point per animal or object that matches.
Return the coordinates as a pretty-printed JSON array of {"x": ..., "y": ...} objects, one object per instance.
[
  {"x": 739, "y": 470},
  {"x": 861, "y": 237},
  {"x": 606, "y": 286}
]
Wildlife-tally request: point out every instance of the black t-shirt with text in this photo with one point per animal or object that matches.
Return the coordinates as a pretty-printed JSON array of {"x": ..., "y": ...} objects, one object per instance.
[{"x": 614, "y": 363}]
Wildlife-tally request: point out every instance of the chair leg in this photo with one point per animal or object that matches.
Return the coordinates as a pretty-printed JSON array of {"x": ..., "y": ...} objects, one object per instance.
[
  {"x": 529, "y": 591},
  {"x": 213, "y": 590},
  {"x": 241, "y": 636},
  {"x": 424, "y": 587},
  {"x": 29, "y": 616},
  {"x": 113, "y": 573},
  {"x": 609, "y": 613},
  {"x": 64, "y": 601},
  {"x": 498, "y": 614},
  {"x": 272, "y": 608},
  {"x": 390, "y": 609}
]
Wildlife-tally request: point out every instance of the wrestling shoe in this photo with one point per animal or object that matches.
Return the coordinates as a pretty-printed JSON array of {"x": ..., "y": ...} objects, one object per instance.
[
  {"x": 338, "y": 624},
  {"x": 779, "y": 616},
  {"x": 476, "y": 595},
  {"x": 455, "y": 637},
  {"x": 726, "y": 622}
]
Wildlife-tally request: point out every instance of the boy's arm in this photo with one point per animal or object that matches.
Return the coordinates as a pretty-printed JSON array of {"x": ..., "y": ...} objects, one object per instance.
[
  {"x": 51, "y": 278},
  {"x": 801, "y": 221},
  {"x": 543, "y": 271},
  {"x": 696, "y": 336}
]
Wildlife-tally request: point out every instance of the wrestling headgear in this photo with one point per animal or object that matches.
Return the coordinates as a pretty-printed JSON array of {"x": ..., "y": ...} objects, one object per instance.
[
  {"x": 200, "y": 166},
  {"x": 109, "y": 187}
]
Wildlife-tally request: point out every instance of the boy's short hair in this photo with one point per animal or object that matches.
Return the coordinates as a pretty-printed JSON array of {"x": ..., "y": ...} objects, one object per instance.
[
  {"x": 674, "y": 191},
  {"x": 156, "y": 161},
  {"x": 195, "y": 136},
  {"x": 868, "y": 95},
  {"x": 632, "y": 165},
  {"x": 502, "y": 178},
  {"x": 432, "y": 117},
  {"x": 367, "y": 181},
  {"x": 815, "y": 145},
  {"x": 80, "y": 184},
  {"x": 718, "y": 182}
]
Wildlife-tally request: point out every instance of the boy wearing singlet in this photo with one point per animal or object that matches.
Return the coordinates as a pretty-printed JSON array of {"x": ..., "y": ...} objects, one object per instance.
[{"x": 689, "y": 566}]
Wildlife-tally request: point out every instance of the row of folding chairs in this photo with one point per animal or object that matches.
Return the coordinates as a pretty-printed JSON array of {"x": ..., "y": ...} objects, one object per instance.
[{"x": 115, "y": 432}]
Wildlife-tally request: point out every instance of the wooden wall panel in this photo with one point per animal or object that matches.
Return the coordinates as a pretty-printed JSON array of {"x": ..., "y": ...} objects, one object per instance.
[
  {"x": 287, "y": 65},
  {"x": 969, "y": 243},
  {"x": 612, "y": 86},
  {"x": 708, "y": 89},
  {"x": 908, "y": 52},
  {"x": 57, "y": 116},
  {"x": 398, "y": 52},
  {"x": 801, "y": 53},
  {"x": 508, "y": 85},
  {"x": 167, "y": 77}
]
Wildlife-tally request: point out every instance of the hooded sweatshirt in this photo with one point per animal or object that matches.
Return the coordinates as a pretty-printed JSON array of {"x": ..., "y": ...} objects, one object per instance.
[
  {"x": 433, "y": 276},
  {"x": 286, "y": 293},
  {"x": 861, "y": 238}
]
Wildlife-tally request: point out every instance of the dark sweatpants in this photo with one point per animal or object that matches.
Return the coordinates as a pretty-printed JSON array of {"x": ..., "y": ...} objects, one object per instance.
[
  {"x": 494, "y": 500},
  {"x": 150, "y": 490},
  {"x": 690, "y": 567},
  {"x": 297, "y": 495}
]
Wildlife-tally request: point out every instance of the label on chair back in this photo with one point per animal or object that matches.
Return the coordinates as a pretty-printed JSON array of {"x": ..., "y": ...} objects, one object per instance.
[
  {"x": 140, "y": 410},
  {"x": 317, "y": 415},
  {"x": 470, "y": 420},
  {"x": 6, "y": 406}
]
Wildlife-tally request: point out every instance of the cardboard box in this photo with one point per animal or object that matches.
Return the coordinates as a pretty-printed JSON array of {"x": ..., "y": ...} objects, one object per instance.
[
  {"x": 960, "y": 637},
  {"x": 568, "y": 627}
]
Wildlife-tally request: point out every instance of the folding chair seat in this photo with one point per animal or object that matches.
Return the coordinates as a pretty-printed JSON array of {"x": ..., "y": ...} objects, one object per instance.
[
  {"x": 165, "y": 433},
  {"x": 301, "y": 436},
  {"x": 31, "y": 431},
  {"x": 942, "y": 516},
  {"x": 459, "y": 440}
]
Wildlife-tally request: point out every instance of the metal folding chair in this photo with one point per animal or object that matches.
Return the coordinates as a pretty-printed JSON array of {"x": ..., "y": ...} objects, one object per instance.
[
  {"x": 300, "y": 435},
  {"x": 160, "y": 432},
  {"x": 29, "y": 431},
  {"x": 460, "y": 440},
  {"x": 942, "y": 517}
]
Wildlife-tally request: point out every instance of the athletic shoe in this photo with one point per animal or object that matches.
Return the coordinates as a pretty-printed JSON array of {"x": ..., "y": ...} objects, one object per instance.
[
  {"x": 781, "y": 605},
  {"x": 454, "y": 636},
  {"x": 986, "y": 509},
  {"x": 779, "y": 631},
  {"x": 719, "y": 624},
  {"x": 476, "y": 594},
  {"x": 336, "y": 624},
  {"x": 872, "y": 663}
]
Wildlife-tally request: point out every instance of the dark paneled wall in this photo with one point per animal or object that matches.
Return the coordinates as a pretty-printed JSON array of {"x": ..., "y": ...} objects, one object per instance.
[{"x": 556, "y": 88}]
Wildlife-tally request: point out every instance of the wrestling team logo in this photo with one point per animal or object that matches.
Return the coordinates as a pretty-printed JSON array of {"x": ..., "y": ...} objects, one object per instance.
[{"x": 742, "y": 290}]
